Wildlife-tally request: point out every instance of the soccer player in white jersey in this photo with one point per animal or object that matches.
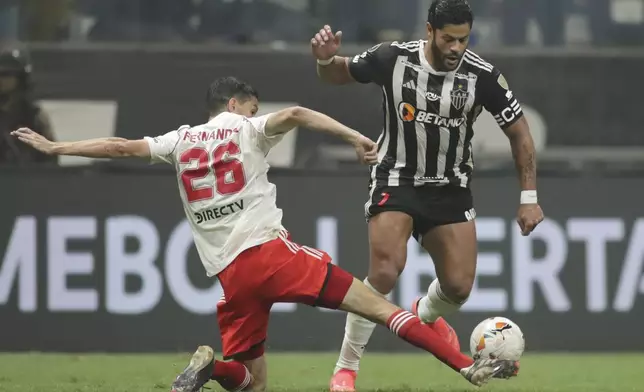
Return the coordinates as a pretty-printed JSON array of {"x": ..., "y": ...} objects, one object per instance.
[{"x": 230, "y": 204}]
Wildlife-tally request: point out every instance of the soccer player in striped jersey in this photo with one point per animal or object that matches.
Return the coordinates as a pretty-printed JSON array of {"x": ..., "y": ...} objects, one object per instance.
[{"x": 433, "y": 91}]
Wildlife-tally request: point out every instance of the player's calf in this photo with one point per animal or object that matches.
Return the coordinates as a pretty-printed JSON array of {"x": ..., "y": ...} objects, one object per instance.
[
  {"x": 361, "y": 300},
  {"x": 258, "y": 369},
  {"x": 345, "y": 292},
  {"x": 440, "y": 302},
  {"x": 458, "y": 289},
  {"x": 453, "y": 248},
  {"x": 389, "y": 232}
]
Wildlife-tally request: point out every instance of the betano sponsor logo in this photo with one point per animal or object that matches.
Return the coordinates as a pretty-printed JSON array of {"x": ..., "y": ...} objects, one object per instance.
[{"x": 409, "y": 113}]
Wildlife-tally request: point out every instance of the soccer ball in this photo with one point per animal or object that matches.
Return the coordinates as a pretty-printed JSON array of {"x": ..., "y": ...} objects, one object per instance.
[{"x": 497, "y": 337}]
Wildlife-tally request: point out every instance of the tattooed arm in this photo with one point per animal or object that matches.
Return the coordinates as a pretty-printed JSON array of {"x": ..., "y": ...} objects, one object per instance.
[
  {"x": 499, "y": 100},
  {"x": 530, "y": 213},
  {"x": 524, "y": 154}
]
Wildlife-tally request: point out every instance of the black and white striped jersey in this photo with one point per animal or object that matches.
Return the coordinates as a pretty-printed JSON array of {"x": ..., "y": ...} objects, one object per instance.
[{"x": 428, "y": 115}]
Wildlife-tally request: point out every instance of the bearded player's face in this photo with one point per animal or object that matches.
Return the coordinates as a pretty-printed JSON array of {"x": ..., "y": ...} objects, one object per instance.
[{"x": 448, "y": 45}]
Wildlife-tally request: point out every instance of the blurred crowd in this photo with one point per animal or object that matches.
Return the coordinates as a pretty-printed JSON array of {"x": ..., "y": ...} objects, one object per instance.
[
  {"x": 506, "y": 22},
  {"x": 499, "y": 23}
]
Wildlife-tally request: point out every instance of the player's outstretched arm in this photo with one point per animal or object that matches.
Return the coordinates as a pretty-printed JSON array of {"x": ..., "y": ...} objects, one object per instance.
[
  {"x": 110, "y": 147},
  {"x": 297, "y": 116},
  {"x": 331, "y": 68},
  {"x": 289, "y": 118}
]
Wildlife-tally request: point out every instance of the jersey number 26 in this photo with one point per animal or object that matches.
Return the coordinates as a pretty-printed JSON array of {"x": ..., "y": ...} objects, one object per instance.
[{"x": 229, "y": 171}]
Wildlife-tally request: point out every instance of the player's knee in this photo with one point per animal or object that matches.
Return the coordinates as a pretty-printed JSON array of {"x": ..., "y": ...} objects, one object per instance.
[
  {"x": 392, "y": 256},
  {"x": 363, "y": 301},
  {"x": 385, "y": 267},
  {"x": 457, "y": 289},
  {"x": 383, "y": 278},
  {"x": 336, "y": 288}
]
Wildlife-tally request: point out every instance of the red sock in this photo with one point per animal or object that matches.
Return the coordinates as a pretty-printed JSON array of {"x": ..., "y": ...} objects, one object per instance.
[
  {"x": 412, "y": 330},
  {"x": 232, "y": 376}
]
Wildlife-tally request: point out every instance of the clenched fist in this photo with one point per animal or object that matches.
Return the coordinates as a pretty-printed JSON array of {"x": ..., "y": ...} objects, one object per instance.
[{"x": 528, "y": 217}]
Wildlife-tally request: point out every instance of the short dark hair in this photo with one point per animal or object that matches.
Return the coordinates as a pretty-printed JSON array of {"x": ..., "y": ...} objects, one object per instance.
[
  {"x": 223, "y": 89},
  {"x": 444, "y": 12}
]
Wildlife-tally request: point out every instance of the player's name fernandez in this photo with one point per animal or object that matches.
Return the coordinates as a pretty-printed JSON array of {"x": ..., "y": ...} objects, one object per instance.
[
  {"x": 218, "y": 134},
  {"x": 219, "y": 212}
]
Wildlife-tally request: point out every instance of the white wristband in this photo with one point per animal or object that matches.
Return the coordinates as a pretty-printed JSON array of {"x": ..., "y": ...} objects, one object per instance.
[
  {"x": 326, "y": 62},
  {"x": 528, "y": 197}
]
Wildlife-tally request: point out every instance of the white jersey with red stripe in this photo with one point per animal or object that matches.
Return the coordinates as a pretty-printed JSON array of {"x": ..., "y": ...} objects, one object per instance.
[{"x": 222, "y": 176}]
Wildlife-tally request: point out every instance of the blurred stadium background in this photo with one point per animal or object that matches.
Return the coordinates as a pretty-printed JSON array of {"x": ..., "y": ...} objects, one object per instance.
[{"x": 95, "y": 256}]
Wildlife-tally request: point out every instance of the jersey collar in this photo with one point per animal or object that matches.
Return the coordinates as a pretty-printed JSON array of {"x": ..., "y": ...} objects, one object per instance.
[{"x": 217, "y": 116}]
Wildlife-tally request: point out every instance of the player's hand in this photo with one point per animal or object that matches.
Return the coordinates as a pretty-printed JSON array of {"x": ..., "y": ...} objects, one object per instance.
[
  {"x": 528, "y": 217},
  {"x": 366, "y": 149},
  {"x": 35, "y": 140},
  {"x": 326, "y": 44}
]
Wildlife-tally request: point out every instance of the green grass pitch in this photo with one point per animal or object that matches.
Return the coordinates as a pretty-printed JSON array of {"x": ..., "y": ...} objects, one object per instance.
[{"x": 300, "y": 372}]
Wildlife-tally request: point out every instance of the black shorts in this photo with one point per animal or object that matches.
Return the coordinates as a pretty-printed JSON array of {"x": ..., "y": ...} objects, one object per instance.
[{"x": 429, "y": 206}]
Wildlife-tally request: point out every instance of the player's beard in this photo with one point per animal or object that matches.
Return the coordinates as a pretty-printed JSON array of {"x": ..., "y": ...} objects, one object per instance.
[{"x": 441, "y": 59}]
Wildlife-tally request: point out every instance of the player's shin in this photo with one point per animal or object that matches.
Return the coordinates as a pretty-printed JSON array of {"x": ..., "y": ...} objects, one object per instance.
[
  {"x": 436, "y": 304},
  {"x": 411, "y": 329},
  {"x": 232, "y": 376},
  {"x": 360, "y": 300},
  {"x": 357, "y": 332}
]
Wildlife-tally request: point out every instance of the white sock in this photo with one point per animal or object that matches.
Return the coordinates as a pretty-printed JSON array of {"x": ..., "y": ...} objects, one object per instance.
[
  {"x": 436, "y": 304},
  {"x": 357, "y": 332}
]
